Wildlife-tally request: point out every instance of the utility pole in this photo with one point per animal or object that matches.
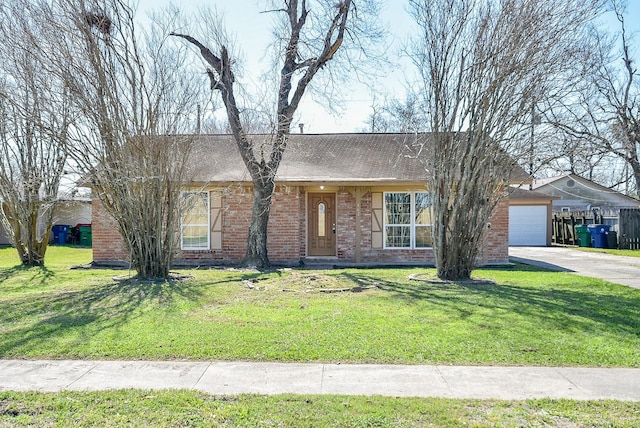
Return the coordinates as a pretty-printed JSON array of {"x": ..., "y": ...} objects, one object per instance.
[
  {"x": 535, "y": 120},
  {"x": 533, "y": 112}
]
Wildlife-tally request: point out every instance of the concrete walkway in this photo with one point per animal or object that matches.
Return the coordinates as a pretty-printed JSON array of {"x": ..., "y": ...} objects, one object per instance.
[
  {"x": 510, "y": 383},
  {"x": 616, "y": 269}
]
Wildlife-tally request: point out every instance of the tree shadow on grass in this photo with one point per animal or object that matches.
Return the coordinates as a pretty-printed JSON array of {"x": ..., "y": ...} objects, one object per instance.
[
  {"x": 599, "y": 307},
  {"x": 40, "y": 275},
  {"x": 30, "y": 322}
]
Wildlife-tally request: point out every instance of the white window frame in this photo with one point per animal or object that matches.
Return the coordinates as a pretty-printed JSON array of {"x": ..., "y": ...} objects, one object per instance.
[
  {"x": 412, "y": 225},
  {"x": 207, "y": 225}
]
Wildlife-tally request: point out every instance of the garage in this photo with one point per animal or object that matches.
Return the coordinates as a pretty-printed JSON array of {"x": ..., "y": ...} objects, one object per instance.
[
  {"x": 529, "y": 218},
  {"x": 528, "y": 225}
]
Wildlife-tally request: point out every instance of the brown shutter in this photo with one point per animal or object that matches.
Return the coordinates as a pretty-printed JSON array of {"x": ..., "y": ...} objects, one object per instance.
[
  {"x": 376, "y": 220},
  {"x": 216, "y": 221}
]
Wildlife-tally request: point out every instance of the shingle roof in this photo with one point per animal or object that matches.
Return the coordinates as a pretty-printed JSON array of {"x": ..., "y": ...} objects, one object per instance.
[
  {"x": 328, "y": 158},
  {"x": 341, "y": 158},
  {"x": 518, "y": 193}
]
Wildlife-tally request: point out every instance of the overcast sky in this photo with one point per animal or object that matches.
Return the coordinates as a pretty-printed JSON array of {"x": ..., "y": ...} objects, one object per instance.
[{"x": 252, "y": 29}]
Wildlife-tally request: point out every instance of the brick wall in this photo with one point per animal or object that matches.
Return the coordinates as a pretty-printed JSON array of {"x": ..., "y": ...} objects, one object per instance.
[
  {"x": 346, "y": 226},
  {"x": 496, "y": 247},
  {"x": 287, "y": 232},
  {"x": 108, "y": 246},
  {"x": 287, "y": 225}
]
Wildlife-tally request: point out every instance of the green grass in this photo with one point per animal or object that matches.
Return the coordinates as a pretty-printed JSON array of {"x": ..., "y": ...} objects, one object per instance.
[
  {"x": 527, "y": 316},
  {"x": 615, "y": 252},
  {"x": 191, "y": 408}
]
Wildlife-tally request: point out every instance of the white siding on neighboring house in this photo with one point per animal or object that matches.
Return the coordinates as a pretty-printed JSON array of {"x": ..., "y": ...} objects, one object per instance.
[
  {"x": 528, "y": 225},
  {"x": 4, "y": 239},
  {"x": 72, "y": 213}
]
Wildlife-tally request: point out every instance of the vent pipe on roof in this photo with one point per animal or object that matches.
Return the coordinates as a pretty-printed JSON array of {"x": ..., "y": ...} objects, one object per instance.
[{"x": 301, "y": 125}]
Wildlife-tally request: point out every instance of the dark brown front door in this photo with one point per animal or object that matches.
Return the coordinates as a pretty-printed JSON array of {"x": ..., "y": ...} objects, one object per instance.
[{"x": 322, "y": 224}]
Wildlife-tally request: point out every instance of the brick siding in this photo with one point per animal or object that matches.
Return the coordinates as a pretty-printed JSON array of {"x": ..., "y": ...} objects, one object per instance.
[
  {"x": 107, "y": 243},
  {"x": 496, "y": 247}
]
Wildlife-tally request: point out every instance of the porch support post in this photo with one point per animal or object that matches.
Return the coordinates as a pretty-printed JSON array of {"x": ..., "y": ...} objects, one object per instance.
[{"x": 357, "y": 193}]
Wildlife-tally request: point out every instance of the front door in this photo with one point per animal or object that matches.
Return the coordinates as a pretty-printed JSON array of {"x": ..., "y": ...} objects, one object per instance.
[{"x": 322, "y": 224}]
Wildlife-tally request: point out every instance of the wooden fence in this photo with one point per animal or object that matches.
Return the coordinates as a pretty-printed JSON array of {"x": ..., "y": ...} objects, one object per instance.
[
  {"x": 629, "y": 229},
  {"x": 563, "y": 226}
]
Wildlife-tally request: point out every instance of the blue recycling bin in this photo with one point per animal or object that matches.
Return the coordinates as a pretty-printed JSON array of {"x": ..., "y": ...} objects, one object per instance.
[
  {"x": 60, "y": 232},
  {"x": 599, "y": 235}
]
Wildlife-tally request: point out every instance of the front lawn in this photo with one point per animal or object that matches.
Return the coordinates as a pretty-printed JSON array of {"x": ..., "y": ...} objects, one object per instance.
[
  {"x": 614, "y": 251},
  {"x": 523, "y": 316},
  {"x": 192, "y": 408}
]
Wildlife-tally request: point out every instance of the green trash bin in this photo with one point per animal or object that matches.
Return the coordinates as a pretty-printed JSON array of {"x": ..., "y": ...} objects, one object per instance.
[
  {"x": 584, "y": 236},
  {"x": 85, "y": 235}
]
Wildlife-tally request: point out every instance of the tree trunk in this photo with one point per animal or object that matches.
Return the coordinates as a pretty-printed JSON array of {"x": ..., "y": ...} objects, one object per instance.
[
  {"x": 23, "y": 229},
  {"x": 455, "y": 264},
  {"x": 454, "y": 254},
  {"x": 257, "y": 240},
  {"x": 30, "y": 257},
  {"x": 635, "y": 167}
]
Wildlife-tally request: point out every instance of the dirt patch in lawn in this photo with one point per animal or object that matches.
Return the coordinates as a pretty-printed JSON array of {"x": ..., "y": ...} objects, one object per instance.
[{"x": 298, "y": 282}]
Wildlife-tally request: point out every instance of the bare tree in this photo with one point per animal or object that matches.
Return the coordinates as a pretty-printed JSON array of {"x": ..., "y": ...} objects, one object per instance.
[
  {"x": 483, "y": 63},
  {"x": 396, "y": 116},
  {"x": 604, "y": 112},
  {"x": 128, "y": 95},
  {"x": 34, "y": 119},
  {"x": 308, "y": 35}
]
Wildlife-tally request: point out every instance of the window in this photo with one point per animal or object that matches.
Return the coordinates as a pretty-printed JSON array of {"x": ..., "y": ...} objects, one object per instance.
[
  {"x": 321, "y": 219},
  {"x": 408, "y": 220},
  {"x": 423, "y": 216},
  {"x": 194, "y": 230}
]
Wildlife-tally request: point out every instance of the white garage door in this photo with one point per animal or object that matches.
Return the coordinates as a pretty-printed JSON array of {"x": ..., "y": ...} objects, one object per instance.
[{"x": 528, "y": 225}]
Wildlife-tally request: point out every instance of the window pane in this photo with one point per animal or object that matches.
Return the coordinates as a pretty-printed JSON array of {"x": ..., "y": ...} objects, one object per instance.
[
  {"x": 195, "y": 220},
  {"x": 196, "y": 208},
  {"x": 397, "y": 208},
  {"x": 321, "y": 210},
  {"x": 195, "y": 236},
  {"x": 424, "y": 208},
  {"x": 398, "y": 236},
  {"x": 424, "y": 236}
]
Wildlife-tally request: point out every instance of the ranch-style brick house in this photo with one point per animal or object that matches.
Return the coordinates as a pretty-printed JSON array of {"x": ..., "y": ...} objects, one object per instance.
[{"x": 340, "y": 198}]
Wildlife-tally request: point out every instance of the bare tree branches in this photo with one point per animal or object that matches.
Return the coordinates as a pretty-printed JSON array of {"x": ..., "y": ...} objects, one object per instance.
[
  {"x": 603, "y": 111},
  {"x": 128, "y": 95},
  {"x": 34, "y": 121},
  {"x": 483, "y": 64},
  {"x": 306, "y": 43}
]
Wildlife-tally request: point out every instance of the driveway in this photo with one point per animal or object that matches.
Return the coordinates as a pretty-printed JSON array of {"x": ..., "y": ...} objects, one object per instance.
[{"x": 617, "y": 269}]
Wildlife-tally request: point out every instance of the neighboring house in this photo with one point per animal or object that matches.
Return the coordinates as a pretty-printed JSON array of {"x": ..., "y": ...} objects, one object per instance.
[
  {"x": 343, "y": 198},
  {"x": 4, "y": 238},
  {"x": 576, "y": 194},
  {"x": 530, "y": 215},
  {"x": 69, "y": 211},
  {"x": 73, "y": 211}
]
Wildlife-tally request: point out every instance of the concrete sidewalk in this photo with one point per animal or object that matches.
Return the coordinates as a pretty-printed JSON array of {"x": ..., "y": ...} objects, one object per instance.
[
  {"x": 617, "y": 269},
  {"x": 510, "y": 383}
]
